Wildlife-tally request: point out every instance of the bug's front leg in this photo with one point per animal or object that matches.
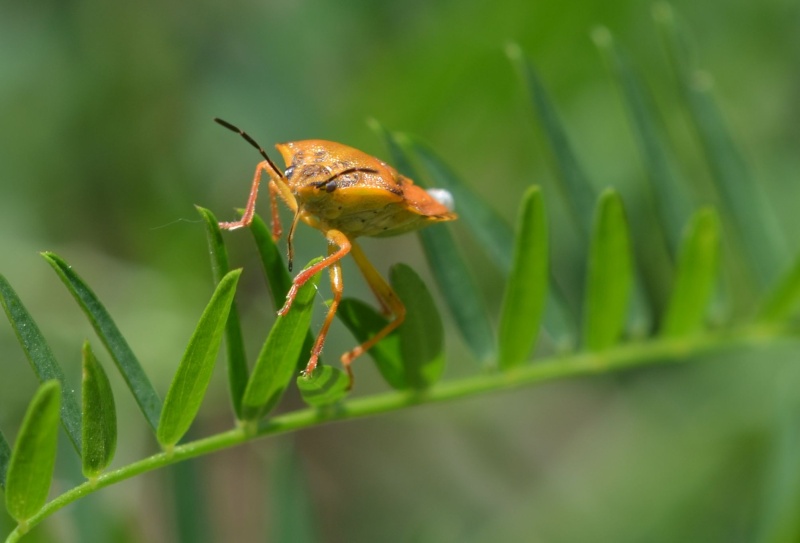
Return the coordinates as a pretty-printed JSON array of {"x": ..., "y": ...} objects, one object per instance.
[
  {"x": 337, "y": 287},
  {"x": 277, "y": 187},
  {"x": 335, "y": 239}
]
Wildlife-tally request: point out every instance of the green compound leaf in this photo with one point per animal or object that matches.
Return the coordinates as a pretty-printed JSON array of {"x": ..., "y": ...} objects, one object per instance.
[
  {"x": 194, "y": 372},
  {"x": 364, "y": 321},
  {"x": 526, "y": 291},
  {"x": 105, "y": 328},
  {"x": 99, "y": 417},
  {"x": 698, "y": 267},
  {"x": 234, "y": 342},
  {"x": 609, "y": 277},
  {"x": 277, "y": 360},
  {"x": 784, "y": 299},
  {"x": 30, "y": 470},
  {"x": 5, "y": 456},
  {"x": 326, "y": 386},
  {"x": 422, "y": 333},
  {"x": 41, "y": 358}
]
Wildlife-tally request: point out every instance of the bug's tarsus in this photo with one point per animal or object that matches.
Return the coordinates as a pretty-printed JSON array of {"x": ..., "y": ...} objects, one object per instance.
[{"x": 249, "y": 139}]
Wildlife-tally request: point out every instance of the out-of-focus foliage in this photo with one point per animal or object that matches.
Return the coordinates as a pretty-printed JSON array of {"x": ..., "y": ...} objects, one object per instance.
[{"x": 107, "y": 142}]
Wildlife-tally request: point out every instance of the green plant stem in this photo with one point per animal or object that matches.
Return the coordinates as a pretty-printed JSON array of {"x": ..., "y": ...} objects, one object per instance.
[{"x": 632, "y": 355}]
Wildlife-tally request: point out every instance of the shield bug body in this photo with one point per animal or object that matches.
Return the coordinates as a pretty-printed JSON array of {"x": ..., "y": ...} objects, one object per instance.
[{"x": 345, "y": 193}]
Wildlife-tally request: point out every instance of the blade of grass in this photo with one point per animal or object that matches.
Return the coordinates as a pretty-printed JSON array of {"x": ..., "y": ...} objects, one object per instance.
[
  {"x": 698, "y": 268},
  {"x": 783, "y": 301},
  {"x": 234, "y": 342},
  {"x": 194, "y": 372},
  {"x": 672, "y": 201},
  {"x": 608, "y": 281},
  {"x": 526, "y": 291},
  {"x": 41, "y": 358},
  {"x": 754, "y": 222},
  {"x": 99, "y": 417},
  {"x": 5, "y": 456},
  {"x": 293, "y": 512},
  {"x": 422, "y": 332},
  {"x": 277, "y": 360},
  {"x": 33, "y": 459},
  {"x": 105, "y": 328}
]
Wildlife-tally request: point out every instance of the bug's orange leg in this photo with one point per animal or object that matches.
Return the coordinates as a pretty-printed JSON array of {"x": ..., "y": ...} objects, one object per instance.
[
  {"x": 273, "y": 202},
  {"x": 280, "y": 188},
  {"x": 335, "y": 238},
  {"x": 337, "y": 287},
  {"x": 388, "y": 299}
]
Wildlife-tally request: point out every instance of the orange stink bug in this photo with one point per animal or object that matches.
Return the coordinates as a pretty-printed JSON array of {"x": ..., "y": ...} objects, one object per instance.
[{"x": 345, "y": 193}]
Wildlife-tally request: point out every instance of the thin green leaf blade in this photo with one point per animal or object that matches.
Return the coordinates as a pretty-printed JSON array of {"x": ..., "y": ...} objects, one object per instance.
[
  {"x": 277, "y": 360},
  {"x": 698, "y": 268},
  {"x": 99, "y": 417},
  {"x": 5, "y": 456},
  {"x": 234, "y": 342},
  {"x": 488, "y": 227},
  {"x": 30, "y": 470},
  {"x": 672, "y": 200},
  {"x": 609, "y": 276},
  {"x": 326, "y": 386},
  {"x": 194, "y": 372},
  {"x": 278, "y": 279},
  {"x": 783, "y": 301},
  {"x": 460, "y": 291},
  {"x": 41, "y": 358},
  {"x": 129, "y": 367},
  {"x": 364, "y": 321},
  {"x": 422, "y": 331},
  {"x": 754, "y": 222},
  {"x": 526, "y": 290},
  {"x": 576, "y": 186},
  {"x": 291, "y": 516}
]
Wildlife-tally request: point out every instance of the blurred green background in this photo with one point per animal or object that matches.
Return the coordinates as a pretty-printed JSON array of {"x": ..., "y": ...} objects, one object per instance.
[{"x": 107, "y": 142}]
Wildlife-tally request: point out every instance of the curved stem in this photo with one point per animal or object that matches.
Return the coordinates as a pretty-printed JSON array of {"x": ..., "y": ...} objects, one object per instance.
[{"x": 656, "y": 351}]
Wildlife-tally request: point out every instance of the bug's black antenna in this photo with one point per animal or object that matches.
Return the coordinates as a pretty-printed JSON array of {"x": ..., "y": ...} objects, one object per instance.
[{"x": 251, "y": 141}]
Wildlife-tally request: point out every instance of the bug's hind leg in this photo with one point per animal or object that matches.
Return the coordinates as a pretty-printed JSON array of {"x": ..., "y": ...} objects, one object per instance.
[{"x": 388, "y": 300}]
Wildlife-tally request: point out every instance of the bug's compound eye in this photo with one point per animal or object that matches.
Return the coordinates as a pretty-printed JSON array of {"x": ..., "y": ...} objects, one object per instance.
[
  {"x": 289, "y": 171},
  {"x": 444, "y": 197},
  {"x": 330, "y": 186}
]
